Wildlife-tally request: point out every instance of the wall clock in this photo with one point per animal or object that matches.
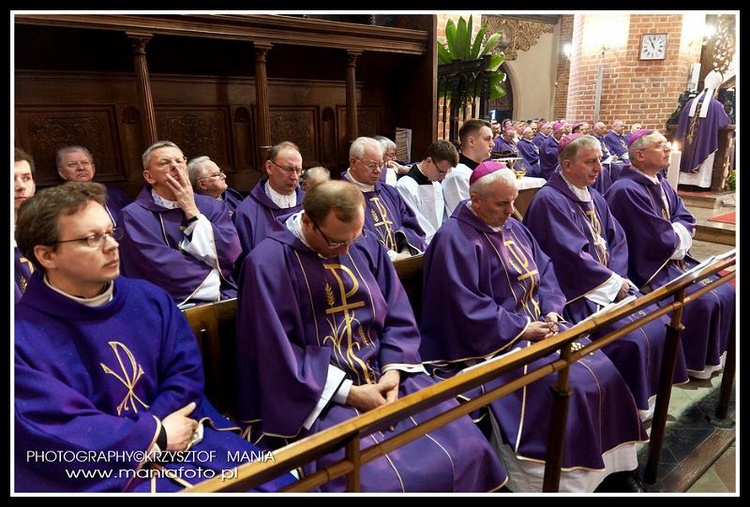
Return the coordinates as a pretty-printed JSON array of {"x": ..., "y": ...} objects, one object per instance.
[{"x": 653, "y": 46}]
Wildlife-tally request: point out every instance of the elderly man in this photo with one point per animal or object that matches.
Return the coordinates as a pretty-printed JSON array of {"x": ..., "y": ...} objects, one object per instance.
[
  {"x": 208, "y": 179},
  {"x": 659, "y": 231},
  {"x": 272, "y": 199},
  {"x": 325, "y": 332},
  {"x": 574, "y": 227},
  {"x": 488, "y": 290},
  {"x": 476, "y": 140},
  {"x": 183, "y": 242},
  {"x": 76, "y": 163},
  {"x": 530, "y": 153},
  {"x": 548, "y": 163},
  {"x": 387, "y": 216},
  {"x": 616, "y": 141},
  {"x": 108, "y": 374},
  {"x": 420, "y": 187}
]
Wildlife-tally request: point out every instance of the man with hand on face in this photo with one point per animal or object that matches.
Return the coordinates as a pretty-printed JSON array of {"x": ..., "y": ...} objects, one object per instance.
[{"x": 176, "y": 239}]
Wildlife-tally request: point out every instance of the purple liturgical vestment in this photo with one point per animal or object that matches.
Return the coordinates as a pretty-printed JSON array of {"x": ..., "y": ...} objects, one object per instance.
[
  {"x": 232, "y": 198},
  {"x": 392, "y": 220},
  {"x": 481, "y": 290},
  {"x": 116, "y": 200},
  {"x": 92, "y": 384},
  {"x": 530, "y": 153},
  {"x": 646, "y": 211},
  {"x": 22, "y": 269},
  {"x": 257, "y": 215},
  {"x": 548, "y": 162},
  {"x": 502, "y": 145},
  {"x": 300, "y": 316},
  {"x": 699, "y": 137},
  {"x": 616, "y": 143},
  {"x": 150, "y": 247},
  {"x": 587, "y": 246}
]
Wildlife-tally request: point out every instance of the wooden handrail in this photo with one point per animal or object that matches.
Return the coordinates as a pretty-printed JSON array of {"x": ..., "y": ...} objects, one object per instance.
[{"x": 348, "y": 433}]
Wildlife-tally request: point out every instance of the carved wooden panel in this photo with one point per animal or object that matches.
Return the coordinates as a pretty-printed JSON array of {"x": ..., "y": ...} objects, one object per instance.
[
  {"x": 299, "y": 125},
  {"x": 42, "y": 130},
  {"x": 369, "y": 123},
  {"x": 198, "y": 131}
]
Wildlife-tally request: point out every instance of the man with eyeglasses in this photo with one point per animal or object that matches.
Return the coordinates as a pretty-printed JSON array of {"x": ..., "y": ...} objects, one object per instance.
[
  {"x": 108, "y": 375},
  {"x": 272, "y": 199},
  {"x": 325, "y": 332},
  {"x": 659, "y": 231},
  {"x": 179, "y": 240},
  {"x": 208, "y": 179},
  {"x": 76, "y": 163},
  {"x": 388, "y": 216}
]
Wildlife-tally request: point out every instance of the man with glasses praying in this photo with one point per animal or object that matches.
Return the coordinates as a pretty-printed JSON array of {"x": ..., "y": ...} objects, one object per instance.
[
  {"x": 106, "y": 365},
  {"x": 176, "y": 239},
  {"x": 208, "y": 179},
  {"x": 325, "y": 332},
  {"x": 387, "y": 216},
  {"x": 659, "y": 231},
  {"x": 76, "y": 163},
  {"x": 272, "y": 199}
]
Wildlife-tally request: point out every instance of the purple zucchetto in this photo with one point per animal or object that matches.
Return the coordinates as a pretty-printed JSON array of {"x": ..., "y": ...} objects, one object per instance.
[
  {"x": 485, "y": 168},
  {"x": 566, "y": 140},
  {"x": 558, "y": 125},
  {"x": 638, "y": 134}
]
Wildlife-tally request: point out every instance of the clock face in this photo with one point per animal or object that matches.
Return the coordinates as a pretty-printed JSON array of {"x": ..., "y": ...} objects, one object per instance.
[{"x": 654, "y": 46}]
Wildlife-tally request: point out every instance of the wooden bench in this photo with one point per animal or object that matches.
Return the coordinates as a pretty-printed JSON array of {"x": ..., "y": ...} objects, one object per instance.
[
  {"x": 410, "y": 273},
  {"x": 214, "y": 325}
]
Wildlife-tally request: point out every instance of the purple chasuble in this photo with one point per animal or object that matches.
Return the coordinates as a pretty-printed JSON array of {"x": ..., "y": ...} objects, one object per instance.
[
  {"x": 298, "y": 316},
  {"x": 116, "y": 200},
  {"x": 530, "y": 153},
  {"x": 150, "y": 248},
  {"x": 699, "y": 137},
  {"x": 391, "y": 220},
  {"x": 22, "y": 269},
  {"x": 257, "y": 215},
  {"x": 91, "y": 384},
  {"x": 548, "y": 161},
  {"x": 587, "y": 246},
  {"x": 481, "y": 288},
  {"x": 539, "y": 139},
  {"x": 617, "y": 144},
  {"x": 646, "y": 211},
  {"x": 232, "y": 198}
]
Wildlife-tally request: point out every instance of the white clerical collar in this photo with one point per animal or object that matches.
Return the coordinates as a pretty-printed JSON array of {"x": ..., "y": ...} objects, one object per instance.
[
  {"x": 294, "y": 225},
  {"x": 494, "y": 229},
  {"x": 102, "y": 299},
  {"x": 583, "y": 194},
  {"x": 164, "y": 203},
  {"x": 279, "y": 199},
  {"x": 362, "y": 186}
]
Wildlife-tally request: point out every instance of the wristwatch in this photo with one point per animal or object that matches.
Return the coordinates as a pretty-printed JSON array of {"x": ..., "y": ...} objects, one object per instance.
[{"x": 193, "y": 219}]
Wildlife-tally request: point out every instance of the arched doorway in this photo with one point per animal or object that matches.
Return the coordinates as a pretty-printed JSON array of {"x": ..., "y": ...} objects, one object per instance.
[{"x": 502, "y": 108}]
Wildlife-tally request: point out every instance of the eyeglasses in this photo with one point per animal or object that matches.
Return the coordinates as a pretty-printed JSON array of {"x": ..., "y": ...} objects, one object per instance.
[
  {"x": 82, "y": 163},
  {"x": 372, "y": 165},
  {"x": 97, "y": 239},
  {"x": 288, "y": 170},
  {"x": 163, "y": 162},
  {"x": 220, "y": 174},
  {"x": 334, "y": 244},
  {"x": 662, "y": 146}
]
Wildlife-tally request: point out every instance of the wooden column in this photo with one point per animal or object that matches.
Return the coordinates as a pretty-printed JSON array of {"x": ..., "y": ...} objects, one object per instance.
[
  {"x": 139, "y": 41},
  {"x": 352, "y": 130},
  {"x": 263, "y": 122}
]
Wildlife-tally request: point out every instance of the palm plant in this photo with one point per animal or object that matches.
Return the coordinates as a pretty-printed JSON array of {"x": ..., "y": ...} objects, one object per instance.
[{"x": 469, "y": 69}]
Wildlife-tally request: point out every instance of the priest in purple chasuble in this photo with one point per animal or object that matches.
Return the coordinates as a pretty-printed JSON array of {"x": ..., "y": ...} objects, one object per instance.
[
  {"x": 272, "y": 199},
  {"x": 574, "y": 227},
  {"x": 489, "y": 290},
  {"x": 548, "y": 151},
  {"x": 506, "y": 143},
  {"x": 616, "y": 141},
  {"x": 183, "y": 242},
  {"x": 698, "y": 132},
  {"x": 659, "y": 231},
  {"x": 530, "y": 153},
  {"x": 325, "y": 332},
  {"x": 109, "y": 388},
  {"x": 387, "y": 215}
]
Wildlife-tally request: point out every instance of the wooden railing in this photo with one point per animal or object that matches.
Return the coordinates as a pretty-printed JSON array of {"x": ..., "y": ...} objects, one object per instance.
[{"x": 347, "y": 435}]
